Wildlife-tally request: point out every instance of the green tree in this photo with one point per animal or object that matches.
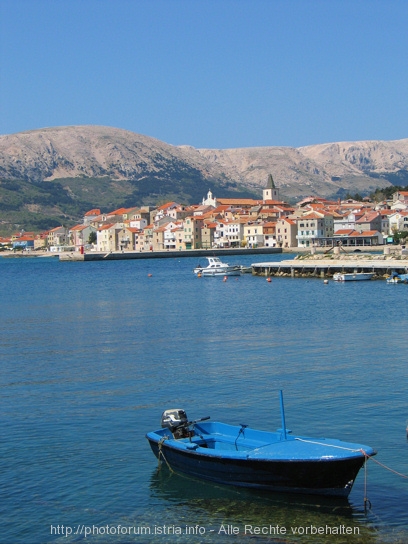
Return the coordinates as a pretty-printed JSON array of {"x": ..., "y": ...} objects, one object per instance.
[
  {"x": 92, "y": 238},
  {"x": 400, "y": 237}
]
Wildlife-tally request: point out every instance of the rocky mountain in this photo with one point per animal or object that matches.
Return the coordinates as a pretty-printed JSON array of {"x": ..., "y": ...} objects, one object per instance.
[{"x": 93, "y": 166}]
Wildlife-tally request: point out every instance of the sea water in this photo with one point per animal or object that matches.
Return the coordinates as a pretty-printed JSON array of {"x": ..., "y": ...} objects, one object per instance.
[{"x": 92, "y": 353}]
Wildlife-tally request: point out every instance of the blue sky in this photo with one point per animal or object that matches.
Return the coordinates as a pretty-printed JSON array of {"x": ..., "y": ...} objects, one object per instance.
[{"x": 208, "y": 73}]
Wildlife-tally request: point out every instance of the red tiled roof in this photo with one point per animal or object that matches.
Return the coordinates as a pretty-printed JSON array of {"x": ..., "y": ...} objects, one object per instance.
[
  {"x": 78, "y": 227},
  {"x": 365, "y": 233},
  {"x": 25, "y": 239},
  {"x": 93, "y": 212},
  {"x": 368, "y": 216},
  {"x": 311, "y": 215},
  {"x": 274, "y": 203},
  {"x": 167, "y": 205},
  {"x": 56, "y": 228},
  {"x": 106, "y": 226},
  {"x": 344, "y": 232},
  {"x": 239, "y": 201},
  {"x": 287, "y": 220},
  {"x": 132, "y": 229}
]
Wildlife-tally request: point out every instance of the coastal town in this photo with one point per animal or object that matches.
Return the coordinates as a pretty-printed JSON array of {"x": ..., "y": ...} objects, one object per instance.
[{"x": 219, "y": 223}]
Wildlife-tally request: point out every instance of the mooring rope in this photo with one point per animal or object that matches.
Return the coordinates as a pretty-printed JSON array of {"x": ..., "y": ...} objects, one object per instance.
[
  {"x": 161, "y": 454},
  {"x": 384, "y": 466},
  {"x": 367, "y": 457},
  {"x": 328, "y": 445},
  {"x": 366, "y": 500}
]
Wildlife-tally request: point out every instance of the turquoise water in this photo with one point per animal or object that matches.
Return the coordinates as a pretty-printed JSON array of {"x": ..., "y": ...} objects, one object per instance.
[{"x": 92, "y": 353}]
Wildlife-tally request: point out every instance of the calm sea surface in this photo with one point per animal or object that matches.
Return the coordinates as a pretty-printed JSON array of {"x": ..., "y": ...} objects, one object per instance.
[{"x": 92, "y": 353}]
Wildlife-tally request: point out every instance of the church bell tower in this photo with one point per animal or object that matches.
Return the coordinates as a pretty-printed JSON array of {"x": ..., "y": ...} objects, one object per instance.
[{"x": 271, "y": 192}]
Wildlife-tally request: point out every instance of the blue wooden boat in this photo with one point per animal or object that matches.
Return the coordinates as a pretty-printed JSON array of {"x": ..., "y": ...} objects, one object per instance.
[{"x": 245, "y": 457}]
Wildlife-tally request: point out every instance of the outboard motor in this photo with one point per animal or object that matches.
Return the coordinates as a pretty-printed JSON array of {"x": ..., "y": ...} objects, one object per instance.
[{"x": 176, "y": 420}]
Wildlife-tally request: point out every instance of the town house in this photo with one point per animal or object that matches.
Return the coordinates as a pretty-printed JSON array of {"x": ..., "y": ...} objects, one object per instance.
[
  {"x": 91, "y": 215},
  {"x": 177, "y": 237},
  {"x": 398, "y": 221},
  {"x": 107, "y": 237},
  {"x": 79, "y": 235},
  {"x": 147, "y": 238},
  {"x": 399, "y": 200},
  {"x": 57, "y": 237},
  {"x": 371, "y": 220},
  {"x": 313, "y": 227},
  {"x": 192, "y": 231},
  {"x": 164, "y": 236},
  {"x": 253, "y": 234},
  {"x": 269, "y": 230},
  {"x": 233, "y": 232},
  {"x": 286, "y": 230},
  {"x": 163, "y": 211},
  {"x": 207, "y": 234},
  {"x": 220, "y": 234}
]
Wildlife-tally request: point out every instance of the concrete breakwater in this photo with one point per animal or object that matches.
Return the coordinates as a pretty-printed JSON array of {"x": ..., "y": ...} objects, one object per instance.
[
  {"x": 315, "y": 267},
  {"x": 120, "y": 255}
]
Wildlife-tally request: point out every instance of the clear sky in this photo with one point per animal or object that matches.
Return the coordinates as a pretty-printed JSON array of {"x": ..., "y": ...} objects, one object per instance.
[{"x": 208, "y": 73}]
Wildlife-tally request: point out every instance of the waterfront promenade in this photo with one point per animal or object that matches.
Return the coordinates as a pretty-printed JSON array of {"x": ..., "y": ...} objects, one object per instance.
[{"x": 122, "y": 255}]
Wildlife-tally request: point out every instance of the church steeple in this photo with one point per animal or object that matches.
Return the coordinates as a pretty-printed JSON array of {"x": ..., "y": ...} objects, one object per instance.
[
  {"x": 271, "y": 192},
  {"x": 210, "y": 200}
]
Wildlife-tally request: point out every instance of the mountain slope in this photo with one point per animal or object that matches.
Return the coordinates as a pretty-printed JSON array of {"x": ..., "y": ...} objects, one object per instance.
[{"x": 60, "y": 172}]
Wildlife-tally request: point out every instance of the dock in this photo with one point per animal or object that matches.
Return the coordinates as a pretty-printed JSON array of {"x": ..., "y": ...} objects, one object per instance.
[{"x": 325, "y": 268}]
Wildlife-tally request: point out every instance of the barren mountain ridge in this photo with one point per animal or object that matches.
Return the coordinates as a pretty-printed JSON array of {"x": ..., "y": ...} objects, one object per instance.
[{"x": 96, "y": 151}]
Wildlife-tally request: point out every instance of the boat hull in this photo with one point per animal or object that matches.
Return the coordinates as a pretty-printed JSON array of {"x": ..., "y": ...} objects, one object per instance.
[
  {"x": 324, "y": 477},
  {"x": 220, "y": 272},
  {"x": 359, "y": 276},
  {"x": 246, "y": 457}
]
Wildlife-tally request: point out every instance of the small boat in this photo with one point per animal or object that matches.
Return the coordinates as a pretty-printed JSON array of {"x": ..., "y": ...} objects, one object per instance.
[
  {"x": 398, "y": 278},
  {"x": 352, "y": 276},
  {"x": 241, "y": 456},
  {"x": 217, "y": 268}
]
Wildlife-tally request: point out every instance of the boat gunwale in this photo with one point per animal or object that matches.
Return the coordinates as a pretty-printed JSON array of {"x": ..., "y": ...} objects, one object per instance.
[{"x": 318, "y": 448}]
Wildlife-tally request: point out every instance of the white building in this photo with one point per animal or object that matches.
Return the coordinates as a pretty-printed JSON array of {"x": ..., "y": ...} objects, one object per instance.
[{"x": 210, "y": 200}]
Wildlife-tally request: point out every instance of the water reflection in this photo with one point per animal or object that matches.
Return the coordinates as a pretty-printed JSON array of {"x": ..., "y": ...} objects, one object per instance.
[{"x": 220, "y": 506}]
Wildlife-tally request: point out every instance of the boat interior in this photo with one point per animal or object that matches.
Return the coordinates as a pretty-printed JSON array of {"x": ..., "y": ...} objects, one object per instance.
[{"x": 221, "y": 437}]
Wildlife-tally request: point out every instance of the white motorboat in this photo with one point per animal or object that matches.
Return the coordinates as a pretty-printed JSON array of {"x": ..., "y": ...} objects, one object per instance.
[
  {"x": 217, "y": 268},
  {"x": 352, "y": 276}
]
